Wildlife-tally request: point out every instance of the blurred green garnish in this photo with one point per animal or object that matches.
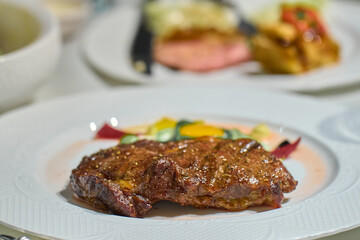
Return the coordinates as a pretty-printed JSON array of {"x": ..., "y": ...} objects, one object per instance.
[{"x": 167, "y": 17}]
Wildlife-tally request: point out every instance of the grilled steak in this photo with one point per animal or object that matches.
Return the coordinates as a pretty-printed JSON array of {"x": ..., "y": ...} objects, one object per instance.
[{"x": 204, "y": 172}]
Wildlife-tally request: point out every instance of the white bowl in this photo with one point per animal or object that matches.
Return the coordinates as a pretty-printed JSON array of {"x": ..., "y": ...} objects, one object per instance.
[{"x": 22, "y": 71}]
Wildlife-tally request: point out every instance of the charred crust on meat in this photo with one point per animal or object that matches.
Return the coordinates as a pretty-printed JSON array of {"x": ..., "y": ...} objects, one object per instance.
[{"x": 211, "y": 173}]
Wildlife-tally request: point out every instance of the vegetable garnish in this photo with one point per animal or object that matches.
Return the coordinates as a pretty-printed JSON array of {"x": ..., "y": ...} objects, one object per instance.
[
  {"x": 167, "y": 129},
  {"x": 195, "y": 130},
  {"x": 128, "y": 139},
  {"x": 109, "y": 132},
  {"x": 303, "y": 18},
  {"x": 260, "y": 131},
  {"x": 162, "y": 124},
  {"x": 285, "y": 150}
]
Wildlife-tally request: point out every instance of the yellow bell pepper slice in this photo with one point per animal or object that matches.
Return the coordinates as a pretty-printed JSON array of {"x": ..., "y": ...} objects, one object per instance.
[
  {"x": 160, "y": 125},
  {"x": 199, "y": 130}
]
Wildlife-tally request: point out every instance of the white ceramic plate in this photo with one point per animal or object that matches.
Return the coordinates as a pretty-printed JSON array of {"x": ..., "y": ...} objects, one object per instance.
[
  {"x": 106, "y": 46},
  {"x": 42, "y": 143}
]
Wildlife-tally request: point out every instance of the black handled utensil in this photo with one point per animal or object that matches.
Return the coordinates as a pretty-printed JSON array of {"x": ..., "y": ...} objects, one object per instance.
[{"x": 141, "y": 49}]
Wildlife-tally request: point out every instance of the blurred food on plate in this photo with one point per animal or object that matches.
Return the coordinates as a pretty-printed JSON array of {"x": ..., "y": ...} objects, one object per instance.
[
  {"x": 71, "y": 13},
  {"x": 197, "y": 36},
  {"x": 204, "y": 35},
  {"x": 296, "y": 42}
]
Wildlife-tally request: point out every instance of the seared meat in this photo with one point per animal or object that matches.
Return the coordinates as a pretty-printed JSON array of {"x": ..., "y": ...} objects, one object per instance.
[{"x": 203, "y": 172}]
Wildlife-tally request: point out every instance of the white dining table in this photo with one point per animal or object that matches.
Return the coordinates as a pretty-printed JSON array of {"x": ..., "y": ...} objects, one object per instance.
[{"x": 73, "y": 75}]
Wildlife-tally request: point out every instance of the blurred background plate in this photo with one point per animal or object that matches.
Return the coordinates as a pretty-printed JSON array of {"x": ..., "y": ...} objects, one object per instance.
[{"x": 106, "y": 47}]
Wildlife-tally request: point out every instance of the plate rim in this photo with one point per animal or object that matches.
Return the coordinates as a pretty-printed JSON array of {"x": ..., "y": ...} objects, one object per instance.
[{"x": 119, "y": 91}]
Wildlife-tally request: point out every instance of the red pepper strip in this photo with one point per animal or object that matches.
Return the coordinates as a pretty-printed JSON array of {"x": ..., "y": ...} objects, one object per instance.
[
  {"x": 314, "y": 16},
  {"x": 108, "y": 132},
  {"x": 311, "y": 19},
  {"x": 285, "y": 151}
]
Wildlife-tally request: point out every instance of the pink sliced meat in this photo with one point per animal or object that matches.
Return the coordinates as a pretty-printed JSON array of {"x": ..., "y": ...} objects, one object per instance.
[{"x": 201, "y": 54}]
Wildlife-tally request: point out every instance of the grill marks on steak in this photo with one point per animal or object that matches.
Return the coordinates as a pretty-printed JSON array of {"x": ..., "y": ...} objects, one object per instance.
[{"x": 203, "y": 172}]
